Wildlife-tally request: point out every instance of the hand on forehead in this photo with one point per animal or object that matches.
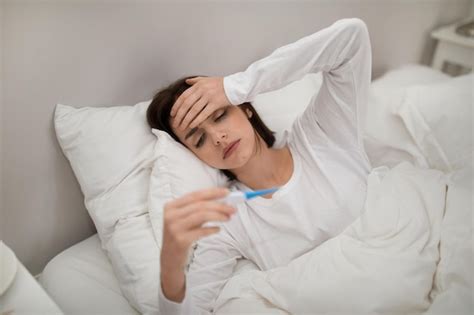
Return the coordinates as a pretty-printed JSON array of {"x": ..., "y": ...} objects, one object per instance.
[{"x": 198, "y": 102}]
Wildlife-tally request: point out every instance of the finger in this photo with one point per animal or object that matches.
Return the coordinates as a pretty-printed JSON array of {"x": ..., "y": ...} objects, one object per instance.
[
  {"x": 184, "y": 108},
  {"x": 206, "y": 112},
  {"x": 192, "y": 80},
  {"x": 197, "y": 234},
  {"x": 196, "y": 219},
  {"x": 193, "y": 112},
  {"x": 202, "y": 206},
  {"x": 180, "y": 100},
  {"x": 178, "y": 103},
  {"x": 199, "y": 195}
]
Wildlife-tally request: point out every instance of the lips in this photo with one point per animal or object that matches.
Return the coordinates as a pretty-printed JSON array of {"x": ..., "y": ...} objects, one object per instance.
[{"x": 230, "y": 148}]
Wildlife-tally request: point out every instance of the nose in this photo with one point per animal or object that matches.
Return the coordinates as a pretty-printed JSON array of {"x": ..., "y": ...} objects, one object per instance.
[{"x": 219, "y": 136}]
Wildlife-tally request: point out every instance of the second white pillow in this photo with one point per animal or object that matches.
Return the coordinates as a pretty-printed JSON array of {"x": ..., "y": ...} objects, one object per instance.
[{"x": 439, "y": 119}]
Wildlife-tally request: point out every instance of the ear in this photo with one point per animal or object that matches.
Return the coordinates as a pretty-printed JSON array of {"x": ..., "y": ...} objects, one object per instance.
[{"x": 249, "y": 112}]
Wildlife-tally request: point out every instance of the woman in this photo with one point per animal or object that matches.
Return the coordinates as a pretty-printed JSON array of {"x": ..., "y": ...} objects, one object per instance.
[{"x": 321, "y": 169}]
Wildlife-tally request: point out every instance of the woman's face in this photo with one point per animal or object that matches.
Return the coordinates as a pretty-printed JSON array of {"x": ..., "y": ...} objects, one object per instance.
[{"x": 209, "y": 140}]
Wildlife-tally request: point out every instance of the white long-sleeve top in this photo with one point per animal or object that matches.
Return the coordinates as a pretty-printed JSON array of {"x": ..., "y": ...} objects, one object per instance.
[{"x": 327, "y": 189}]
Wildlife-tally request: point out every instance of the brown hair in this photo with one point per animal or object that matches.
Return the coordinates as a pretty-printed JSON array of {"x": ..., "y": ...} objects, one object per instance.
[{"x": 158, "y": 114}]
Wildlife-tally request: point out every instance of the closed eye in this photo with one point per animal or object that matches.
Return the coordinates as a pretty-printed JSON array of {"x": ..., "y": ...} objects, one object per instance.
[
  {"x": 221, "y": 115},
  {"x": 202, "y": 138}
]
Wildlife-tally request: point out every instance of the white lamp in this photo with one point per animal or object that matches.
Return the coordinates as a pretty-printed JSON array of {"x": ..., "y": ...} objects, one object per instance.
[{"x": 8, "y": 267}]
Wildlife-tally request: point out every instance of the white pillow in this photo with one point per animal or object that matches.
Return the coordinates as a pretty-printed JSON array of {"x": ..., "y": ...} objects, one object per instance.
[
  {"x": 386, "y": 139},
  {"x": 439, "y": 118},
  {"x": 110, "y": 150},
  {"x": 410, "y": 74}
]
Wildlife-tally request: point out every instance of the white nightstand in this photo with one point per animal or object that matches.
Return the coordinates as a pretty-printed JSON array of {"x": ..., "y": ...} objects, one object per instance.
[
  {"x": 25, "y": 296},
  {"x": 453, "y": 48}
]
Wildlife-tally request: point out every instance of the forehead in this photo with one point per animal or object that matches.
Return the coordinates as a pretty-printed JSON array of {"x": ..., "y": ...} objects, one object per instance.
[{"x": 182, "y": 133}]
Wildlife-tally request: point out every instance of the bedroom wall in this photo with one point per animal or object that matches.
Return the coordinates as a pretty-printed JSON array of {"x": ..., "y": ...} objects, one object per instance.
[{"x": 93, "y": 53}]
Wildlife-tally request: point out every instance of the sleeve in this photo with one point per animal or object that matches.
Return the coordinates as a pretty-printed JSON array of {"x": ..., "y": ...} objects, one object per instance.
[
  {"x": 212, "y": 265},
  {"x": 342, "y": 52}
]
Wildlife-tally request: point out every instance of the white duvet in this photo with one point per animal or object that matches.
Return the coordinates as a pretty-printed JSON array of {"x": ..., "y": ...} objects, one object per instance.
[{"x": 383, "y": 263}]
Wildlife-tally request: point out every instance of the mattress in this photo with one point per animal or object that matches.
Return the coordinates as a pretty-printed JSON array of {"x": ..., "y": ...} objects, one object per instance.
[{"x": 81, "y": 281}]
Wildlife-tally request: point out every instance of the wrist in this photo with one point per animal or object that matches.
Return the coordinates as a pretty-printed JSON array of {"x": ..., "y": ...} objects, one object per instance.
[{"x": 173, "y": 284}]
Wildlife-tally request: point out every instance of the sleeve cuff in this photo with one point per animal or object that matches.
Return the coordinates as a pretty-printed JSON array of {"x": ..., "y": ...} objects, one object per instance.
[
  {"x": 236, "y": 88},
  {"x": 169, "y": 307}
]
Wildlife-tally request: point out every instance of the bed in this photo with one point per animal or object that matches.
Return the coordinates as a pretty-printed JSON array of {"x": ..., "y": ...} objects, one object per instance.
[{"x": 81, "y": 279}]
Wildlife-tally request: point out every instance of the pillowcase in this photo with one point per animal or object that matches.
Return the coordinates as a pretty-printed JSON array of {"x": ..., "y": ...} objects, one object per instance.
[
  {"x": 408, "y": 75},
  {"x": 110, "y": 150},
  {"x": 439, "y": 119},
  {"x": 386, "y": 139}
]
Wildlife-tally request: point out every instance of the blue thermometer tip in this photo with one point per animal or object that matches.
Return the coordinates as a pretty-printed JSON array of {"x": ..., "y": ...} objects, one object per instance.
[{"x": 256, "y": 193}]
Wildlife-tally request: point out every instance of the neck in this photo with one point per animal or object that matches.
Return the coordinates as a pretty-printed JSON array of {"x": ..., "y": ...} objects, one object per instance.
[{"x": 268, "y": 167}]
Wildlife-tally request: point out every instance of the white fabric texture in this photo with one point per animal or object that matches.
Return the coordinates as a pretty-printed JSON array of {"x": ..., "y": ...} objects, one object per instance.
[
  {"x": 81, "y": 281},
  {"x": 453, "y": 285},
  {"x": 439, "y": 118},
  {"x": 274, "y": 109},
  {"x": 110, "y": 150},
  {"x": 408, "y": 75},
  {"x": 325, "y": 141},
  {"x": 383, "y": 263},
  {"x": 104, "y": 146},
  {"x": 387, "y": 140}
]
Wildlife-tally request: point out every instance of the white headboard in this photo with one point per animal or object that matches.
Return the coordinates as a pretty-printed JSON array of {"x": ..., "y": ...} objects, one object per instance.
[{"x": 94, "y": 53}]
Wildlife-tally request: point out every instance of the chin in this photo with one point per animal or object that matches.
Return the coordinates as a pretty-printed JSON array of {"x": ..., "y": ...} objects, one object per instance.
[{"x": 239, "y": 160}]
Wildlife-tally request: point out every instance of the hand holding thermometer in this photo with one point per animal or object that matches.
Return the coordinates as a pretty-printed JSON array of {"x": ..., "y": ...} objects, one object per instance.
[{"x": 236, "y": 197}]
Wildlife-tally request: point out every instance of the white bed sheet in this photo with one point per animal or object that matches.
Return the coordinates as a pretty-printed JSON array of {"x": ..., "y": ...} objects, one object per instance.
[{"x": 81, "y": 281}]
